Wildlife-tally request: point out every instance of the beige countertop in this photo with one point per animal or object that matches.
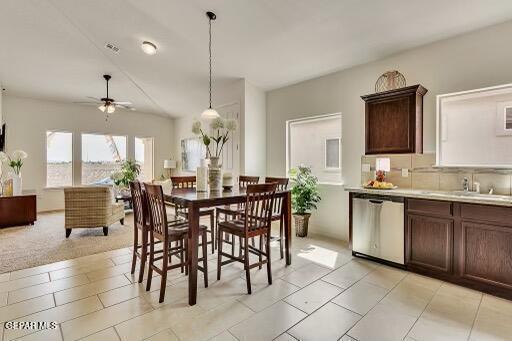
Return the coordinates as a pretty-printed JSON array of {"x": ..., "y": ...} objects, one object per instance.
[{"x": 458, "y": 196}]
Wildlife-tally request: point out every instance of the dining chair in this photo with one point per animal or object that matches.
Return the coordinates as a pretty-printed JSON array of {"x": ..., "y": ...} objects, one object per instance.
[
  {"x": 255, "y": 221},
  {"x": 189, "y": 182},
  {"x": 233, "y": 211},
  {"x": 277, "y": 211},
  {"x": 160, "y": 229},
  {"x": 140, "y": 226}
]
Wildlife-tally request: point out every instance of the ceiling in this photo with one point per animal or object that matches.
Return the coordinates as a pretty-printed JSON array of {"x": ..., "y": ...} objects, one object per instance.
[{"x": 54, "y": 49}]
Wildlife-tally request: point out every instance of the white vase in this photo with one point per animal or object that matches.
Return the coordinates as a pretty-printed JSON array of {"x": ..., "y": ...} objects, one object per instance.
[
  {"x": 215, "y": 175},
  {"x": 17, "y": 184}
]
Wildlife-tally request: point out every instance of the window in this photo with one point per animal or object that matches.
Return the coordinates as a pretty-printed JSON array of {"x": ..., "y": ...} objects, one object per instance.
[
  {"x": 316, "y": 142},
  {"x": 102, "y": 155},
  {"x": 508, "y": 118},
  {"x": 332, "y": 153},
  {"x": 59, "y": 159},
  {"x": 144, "y": 157}
]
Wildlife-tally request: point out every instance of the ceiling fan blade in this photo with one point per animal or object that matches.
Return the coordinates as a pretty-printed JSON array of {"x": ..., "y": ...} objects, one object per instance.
[
  {"x": 94, "y": 98},
  {"x": 88, "y": 103},
  {"x": 122, "y": 103},
  {"x": 123, "y": 106}
]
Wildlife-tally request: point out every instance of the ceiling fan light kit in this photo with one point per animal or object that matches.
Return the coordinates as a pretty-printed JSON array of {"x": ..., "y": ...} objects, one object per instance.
[
  {"x": 210, "y": 113},
  {"x": 149, "y": 48}
]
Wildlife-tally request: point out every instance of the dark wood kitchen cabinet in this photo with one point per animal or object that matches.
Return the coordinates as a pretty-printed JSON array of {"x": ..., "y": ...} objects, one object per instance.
[
  {"x": 429, "y": 243},
  {"x": 394, "y": 121},
  {"x": 467, "y": 244}
]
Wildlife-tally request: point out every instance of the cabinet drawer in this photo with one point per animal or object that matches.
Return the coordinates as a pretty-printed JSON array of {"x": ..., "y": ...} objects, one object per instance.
[
  {"x": 491, "y": 214},
  {"x": 432, "y": 207}
]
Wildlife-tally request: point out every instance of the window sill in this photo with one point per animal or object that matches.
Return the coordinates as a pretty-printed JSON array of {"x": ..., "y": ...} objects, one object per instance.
[
  {"x": 60, "y": 188},
  {"x": 331, "y": 183}
]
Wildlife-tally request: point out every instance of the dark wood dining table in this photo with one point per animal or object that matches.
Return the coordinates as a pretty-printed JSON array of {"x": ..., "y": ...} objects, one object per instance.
[{"x": 194, "y": 201}]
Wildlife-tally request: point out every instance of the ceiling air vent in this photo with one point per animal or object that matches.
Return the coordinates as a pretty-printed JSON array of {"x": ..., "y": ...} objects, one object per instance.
[
  {"x": 508, "y": 118},
  {"x": 112, "y": 47}
]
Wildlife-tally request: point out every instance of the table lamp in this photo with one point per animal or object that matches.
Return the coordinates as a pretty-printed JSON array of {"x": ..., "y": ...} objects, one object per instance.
[
  {"x": 382, "y": 165},
  {"x": 170, "y": 165}
]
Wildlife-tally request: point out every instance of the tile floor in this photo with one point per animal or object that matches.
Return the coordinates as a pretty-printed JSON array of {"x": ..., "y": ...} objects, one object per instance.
[{"x": 325, "y": 294}]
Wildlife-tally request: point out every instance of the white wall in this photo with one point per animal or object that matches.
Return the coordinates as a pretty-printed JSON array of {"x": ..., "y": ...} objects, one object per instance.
[
  {"x": 230, "y": 93},
  {"x": 252, "y": 125},
  {"x": 28, "y": 120},
  {"x": 470, "y": 61},
  {"x": 254, "y": 156}
]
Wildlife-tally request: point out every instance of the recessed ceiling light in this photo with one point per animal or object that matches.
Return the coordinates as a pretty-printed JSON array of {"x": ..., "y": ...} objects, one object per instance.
[{"x": 148, "y": 47}]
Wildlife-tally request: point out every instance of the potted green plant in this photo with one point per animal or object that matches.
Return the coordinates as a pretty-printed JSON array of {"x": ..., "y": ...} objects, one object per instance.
[
  {"x": 129, "y": 171},
  {"x": 305, "y": 196}
]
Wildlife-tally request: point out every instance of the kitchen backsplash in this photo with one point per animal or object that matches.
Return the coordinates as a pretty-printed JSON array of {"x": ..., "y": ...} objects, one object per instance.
[{"x": 421, "y": 174}]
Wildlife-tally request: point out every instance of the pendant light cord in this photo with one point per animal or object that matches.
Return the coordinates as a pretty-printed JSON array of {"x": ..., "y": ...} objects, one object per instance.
[{"x": 210, "y": 52}]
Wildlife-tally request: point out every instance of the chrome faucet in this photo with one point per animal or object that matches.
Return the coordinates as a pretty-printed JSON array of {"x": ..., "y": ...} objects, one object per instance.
[{"x": 465, "y": 184}]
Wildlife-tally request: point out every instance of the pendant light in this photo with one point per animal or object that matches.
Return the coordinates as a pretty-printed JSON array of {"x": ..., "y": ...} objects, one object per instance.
[{"x": 210, "y": 114}]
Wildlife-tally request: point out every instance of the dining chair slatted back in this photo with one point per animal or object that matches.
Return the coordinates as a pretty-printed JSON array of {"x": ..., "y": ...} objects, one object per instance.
[
  {"x": 157, "y": 213},
  {"x": 258, "y": 206},
  {"x": 139, "y": 214},
  {"x": 244, "y": 180},
  {"x": 282, "y": 185},
  {"x": 183, "y": 181}
]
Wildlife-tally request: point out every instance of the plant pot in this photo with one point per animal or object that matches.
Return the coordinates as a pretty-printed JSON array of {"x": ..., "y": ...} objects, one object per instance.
[
  {"x": 215, "y": 175},
  {"x": 301, "y": 224}
]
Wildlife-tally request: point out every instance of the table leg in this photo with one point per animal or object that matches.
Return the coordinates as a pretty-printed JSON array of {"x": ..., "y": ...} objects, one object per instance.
[
  {"x": 287, "y": 212},
  {"x": 193, "y": 241}
]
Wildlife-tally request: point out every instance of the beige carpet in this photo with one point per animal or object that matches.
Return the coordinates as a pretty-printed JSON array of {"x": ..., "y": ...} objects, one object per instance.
[{"x": 45, "y": 242}]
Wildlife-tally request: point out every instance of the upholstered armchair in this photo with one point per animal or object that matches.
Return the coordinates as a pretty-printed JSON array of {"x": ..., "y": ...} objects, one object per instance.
[{"x": 89, "y": 207}]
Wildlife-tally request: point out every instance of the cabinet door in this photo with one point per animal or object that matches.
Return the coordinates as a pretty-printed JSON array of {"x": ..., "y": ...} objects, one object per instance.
[
  {"x": 429, "y": 242},
  {"x": 486, "y": 254},
  {"x": 389, "y": 126}
]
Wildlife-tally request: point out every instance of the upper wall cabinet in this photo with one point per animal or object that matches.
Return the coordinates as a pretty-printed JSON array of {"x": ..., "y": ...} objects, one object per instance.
[
  {"x": 474, "y": 128},
  {"x": 394, "y": 121}
]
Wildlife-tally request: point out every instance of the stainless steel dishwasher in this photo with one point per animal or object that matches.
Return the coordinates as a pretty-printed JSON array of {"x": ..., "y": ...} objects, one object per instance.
[{"x": 378, "y": 227}]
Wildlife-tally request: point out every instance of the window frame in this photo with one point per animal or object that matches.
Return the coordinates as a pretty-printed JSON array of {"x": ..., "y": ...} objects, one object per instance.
[
  {"x": 326, "y": 167},
  {"x": 72, "y": 158},
  {"x": 82, "y": 133},
  {"x": 313, "y": 118},
  {"x": 152, "y": 151}
]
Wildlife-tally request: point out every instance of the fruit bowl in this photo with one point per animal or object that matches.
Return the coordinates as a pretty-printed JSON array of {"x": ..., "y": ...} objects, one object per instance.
[{"x": 373, "y": 184}]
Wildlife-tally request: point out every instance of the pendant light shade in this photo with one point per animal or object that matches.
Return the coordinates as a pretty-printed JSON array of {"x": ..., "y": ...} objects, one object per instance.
[{"x": 210, "y": 114}]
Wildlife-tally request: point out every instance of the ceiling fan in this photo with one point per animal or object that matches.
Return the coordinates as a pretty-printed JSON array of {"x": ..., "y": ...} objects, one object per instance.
[{"x": 106, "y": 104}]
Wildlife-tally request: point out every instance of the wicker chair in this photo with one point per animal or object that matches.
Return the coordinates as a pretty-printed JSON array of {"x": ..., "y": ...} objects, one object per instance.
[{"x": 88, "y": 207}]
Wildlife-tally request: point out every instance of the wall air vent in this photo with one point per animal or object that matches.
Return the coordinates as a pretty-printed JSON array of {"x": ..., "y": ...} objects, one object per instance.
[
  {"x": 112, "y": 47},
  {"x": 508, "y": 118}
]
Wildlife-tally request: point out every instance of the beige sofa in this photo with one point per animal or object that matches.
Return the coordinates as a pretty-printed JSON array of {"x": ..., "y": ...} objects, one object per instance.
[{"x": 92, "y": 206}]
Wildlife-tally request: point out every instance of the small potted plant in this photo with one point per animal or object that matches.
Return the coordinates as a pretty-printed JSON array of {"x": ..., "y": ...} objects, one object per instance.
[
  {"x": 15, "y": 161},
  {"x": 130, "y": 170},
  {"x": 305, "y": 196}
]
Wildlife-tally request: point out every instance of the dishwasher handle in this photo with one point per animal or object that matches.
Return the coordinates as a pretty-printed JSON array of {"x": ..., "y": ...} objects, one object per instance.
[{"x": 377, "y": 202}]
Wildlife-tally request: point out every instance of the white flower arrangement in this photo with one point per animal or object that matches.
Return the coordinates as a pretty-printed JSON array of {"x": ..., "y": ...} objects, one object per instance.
[
  {"x": 221, "y": 128},
  {"x": 15, "y": 161}
]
